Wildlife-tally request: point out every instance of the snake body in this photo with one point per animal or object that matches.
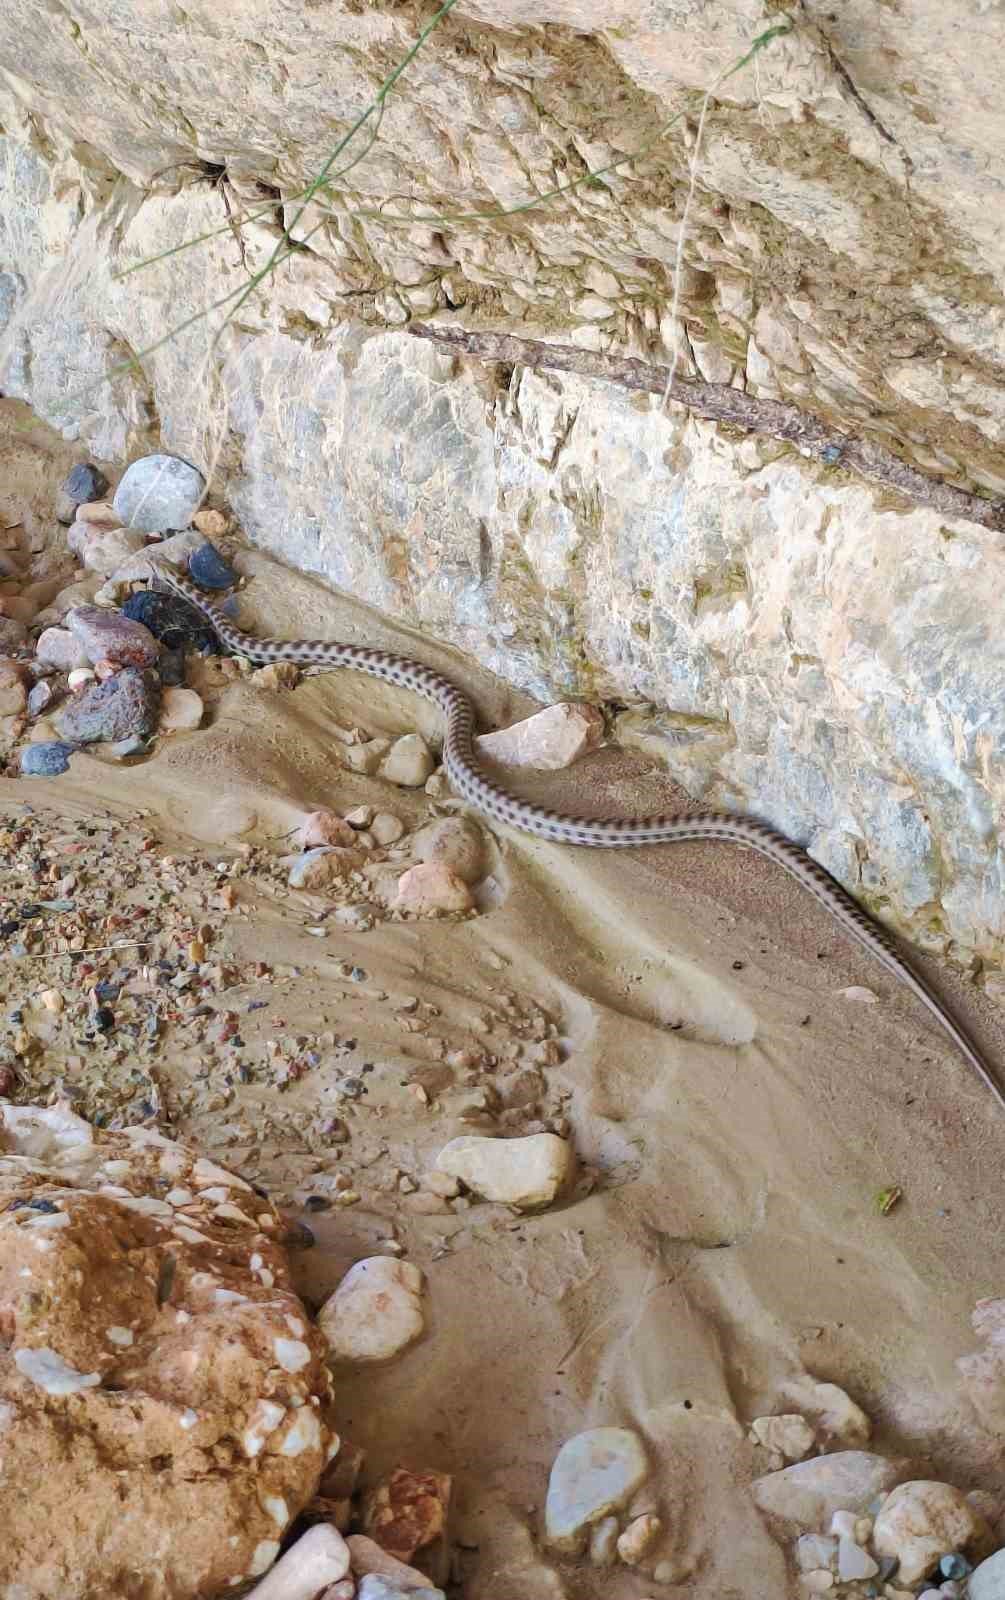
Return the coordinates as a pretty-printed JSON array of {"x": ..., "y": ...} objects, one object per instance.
[{"x": 610, "y": 833}]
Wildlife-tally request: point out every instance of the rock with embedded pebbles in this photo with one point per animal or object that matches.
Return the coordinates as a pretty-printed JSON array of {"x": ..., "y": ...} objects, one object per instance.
[{"x": 161, "y": 1386}]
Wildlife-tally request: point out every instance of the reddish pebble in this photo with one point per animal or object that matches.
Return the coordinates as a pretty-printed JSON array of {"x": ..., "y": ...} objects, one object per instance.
[
  {"x": 432, "y": 887},
  {"x": 324, "y": 827}
]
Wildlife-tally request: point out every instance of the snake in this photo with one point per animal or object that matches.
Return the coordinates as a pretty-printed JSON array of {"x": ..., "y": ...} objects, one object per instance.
[{"x": 473, "y": 785}]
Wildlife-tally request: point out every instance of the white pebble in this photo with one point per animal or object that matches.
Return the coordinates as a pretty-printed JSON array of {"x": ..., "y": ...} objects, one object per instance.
[{"x": 409, "y": 762}]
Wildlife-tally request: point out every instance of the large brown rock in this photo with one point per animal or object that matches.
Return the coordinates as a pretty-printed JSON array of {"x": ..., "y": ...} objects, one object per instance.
[{"x": 164, "y": 1401}]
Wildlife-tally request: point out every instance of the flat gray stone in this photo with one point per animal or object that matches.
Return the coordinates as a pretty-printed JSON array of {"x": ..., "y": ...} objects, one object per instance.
[
  {"x": 377, "y": 1587},
  {"x": 159, "y": 494},
  {"x": 595, "y": 1473},
  {"x": 810, "y": 1492}
]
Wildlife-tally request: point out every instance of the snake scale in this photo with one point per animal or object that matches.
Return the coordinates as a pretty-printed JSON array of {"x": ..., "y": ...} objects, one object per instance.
[{"x": 610, "y": 833}]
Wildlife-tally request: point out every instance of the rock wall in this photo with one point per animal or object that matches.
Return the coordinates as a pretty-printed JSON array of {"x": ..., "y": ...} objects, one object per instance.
[{"x": 794, "y": 642}]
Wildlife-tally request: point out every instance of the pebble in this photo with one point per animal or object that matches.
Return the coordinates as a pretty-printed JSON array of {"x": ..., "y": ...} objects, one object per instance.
[
  {"x": 324, "y": 827},
  {"x": 134, "y": 745},
  {"x": 595, "y": 1474},
  {"x": 366, "y": 757},
  {"x": 207, "y": 568},
  {"x": 84, "y": 484},
  {"x": 375, "y": 1312},
  {"x": 441, "y": 1183},
  {"x": 457, "y": 843},
  {"x": 436, "y": 786},
  {"x": 790, "y": 1436},
  {"x": 367, "y": 1556},
  {"x": 604, "y": 1542},
  {"x": 57, "y": 647},
  {"x": 20, "y": 607},
  {"x": 815, "y": 1550},
  {"x": 843, "y": 1524},
  {"x": 122, "y": 706},
  {"x": 818, "y": 1582},
  {"x": 13, "y": 690},
  {"x": 181, "y": 710},
  {"x": 319, "y": 1558},
  {"x": 839, "y": 1424},
  {"x": 12, "y": 633},
  {"x": 46, "y": 760},
  {"x": 103, "y": 550},
  {"x": 409, "y": 762},
  {"x": 431, "y": 887},
  {"x": 79, "y": 678},
  {"x": 954, "y": 1565},
  {"x": 385, "y": 828},
  {"x": 277, "y": 675},
  {"x": 376, "y": 1587},
  {"x": 527, "y": 1173},
  {"x": 41, "y": 697},
  {"x": 853, "y": 1561},
  {"x": 107, "y": 635},
  {"x": 212, "y": 524},
  {"x": 638, "y": 1539},
  {"x": 101, "y": 513},
  {"x": 360, "y": 816},
  {"x": 171, "y": 620},
  {"x": 919, "y": 1521},
  {"x": 548, "y": 741},
  {"x": 159, "y": 493},
  {"x": 810, "y": 1492},
  {"x": 328, "y": 864},
  {"x": 987, "y": 1582}
]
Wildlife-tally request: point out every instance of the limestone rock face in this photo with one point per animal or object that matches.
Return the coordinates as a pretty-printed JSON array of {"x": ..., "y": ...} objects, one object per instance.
[
  {"x": 817, "y": 652},
  {"x": 161, "y": 1389}
]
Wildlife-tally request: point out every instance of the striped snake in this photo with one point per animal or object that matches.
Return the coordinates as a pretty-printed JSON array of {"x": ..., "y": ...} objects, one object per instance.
[{"x": 610, "y": 833}]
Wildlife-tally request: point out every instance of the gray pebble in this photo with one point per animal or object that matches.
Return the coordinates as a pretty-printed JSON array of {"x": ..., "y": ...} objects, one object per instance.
[
  {"x": 46, "y": 760},
  {"x": 42, "y": 697},
  {"x": 159, "y": 493},
  {"x": 136, "y": 745},
  {"x": 122, "y": 706},
  {"x": 375, "y": 1586},
  {"x": 209, "y": 570}
]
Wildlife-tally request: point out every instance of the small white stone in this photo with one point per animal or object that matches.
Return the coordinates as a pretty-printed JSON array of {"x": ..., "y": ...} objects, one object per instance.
[
  {"x": 843, "y": 1524},
  {"x": 303, "y": 1433},
  {"x": 839, "y": 1424},
  {"x": 50, "y": 1372},
  {"x": 291, "y": 1354},
  {"x": 817, "y": 1582},
  {"x": 548, "y": 741},
  {"x": 814, "y": 1550},
  {"x": 409, "y": 762},
  {"x": 375, "y": 1312},
  {"x": 431, "y": 887},
  {"x": 604, "y": 1542},
  {"x": 527, "y": 1172},
  {"x": 120, "y": 1336},
  {"x": 595, "y": 1473},
  {"x": 853, "y": 1561}
]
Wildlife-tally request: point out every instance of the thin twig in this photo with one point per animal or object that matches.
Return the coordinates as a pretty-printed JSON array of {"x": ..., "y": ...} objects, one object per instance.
[
  {"x": 720, "y": 403},
  {"x": 90, "y": 950}
]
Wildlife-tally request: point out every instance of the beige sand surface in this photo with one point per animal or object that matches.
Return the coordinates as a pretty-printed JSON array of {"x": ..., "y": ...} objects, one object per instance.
[{"x": 735, "y": 1114}]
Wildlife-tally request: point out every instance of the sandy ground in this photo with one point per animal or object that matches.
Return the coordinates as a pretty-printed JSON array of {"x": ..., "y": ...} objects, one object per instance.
[{"x": 735, "y": 1115}]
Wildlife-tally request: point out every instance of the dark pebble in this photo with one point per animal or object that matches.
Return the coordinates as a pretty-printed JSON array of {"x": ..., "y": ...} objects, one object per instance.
[
  {"x": 209, "y": 570},
  {"x": 103, "y": 1019},
  {"x": 122, "y": 706},
  {"x": 106, "y": 991},
  {"x": 46, "y": 760},
  {"x": 45, "y": 1206},
  {"x": 85, "y": 483},
  {"x": 7, "y": 929},
  {"x": 318, "y": 1202},
  {"x": 298, "y": 1236},
  {"x": 173, "y": 621},
  {"x": 172, "y": 668}
]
